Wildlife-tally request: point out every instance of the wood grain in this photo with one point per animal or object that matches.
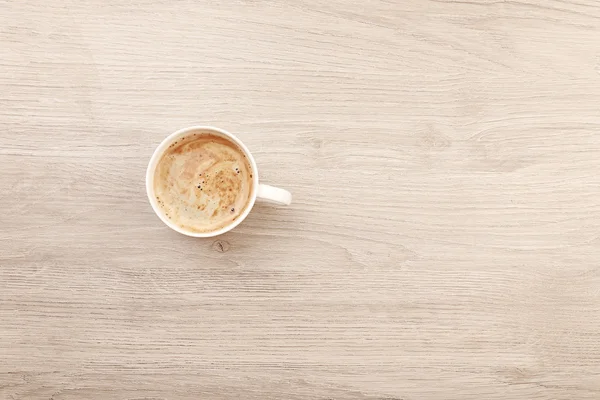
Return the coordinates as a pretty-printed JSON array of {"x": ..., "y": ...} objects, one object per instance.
[{"x": 444, "y": 241}]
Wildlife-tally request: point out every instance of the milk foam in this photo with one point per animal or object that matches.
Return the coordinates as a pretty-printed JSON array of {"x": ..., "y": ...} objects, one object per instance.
[{"x": 203, "y": 182}]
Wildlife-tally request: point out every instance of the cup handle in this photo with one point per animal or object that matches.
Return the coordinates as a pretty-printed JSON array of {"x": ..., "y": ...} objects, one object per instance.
[{"x": 274, "y": 195}]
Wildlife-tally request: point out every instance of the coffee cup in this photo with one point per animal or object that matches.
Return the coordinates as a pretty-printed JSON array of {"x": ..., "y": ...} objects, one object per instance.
[{"x": 208, "y": 197}]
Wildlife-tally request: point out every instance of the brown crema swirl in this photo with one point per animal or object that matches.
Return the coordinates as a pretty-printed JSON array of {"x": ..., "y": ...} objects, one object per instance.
[{"x": 203, "y": 182}]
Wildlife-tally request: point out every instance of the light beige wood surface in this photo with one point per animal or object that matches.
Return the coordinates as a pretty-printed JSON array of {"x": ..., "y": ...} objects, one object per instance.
[{"x": 444, "y": 241}]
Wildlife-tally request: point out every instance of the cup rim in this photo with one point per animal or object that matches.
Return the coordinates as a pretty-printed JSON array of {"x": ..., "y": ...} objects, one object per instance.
[{"x": 151, "y": 169}]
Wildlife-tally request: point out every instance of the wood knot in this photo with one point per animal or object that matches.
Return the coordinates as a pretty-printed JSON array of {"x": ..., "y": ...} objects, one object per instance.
[{"x": 222, "y": 246}]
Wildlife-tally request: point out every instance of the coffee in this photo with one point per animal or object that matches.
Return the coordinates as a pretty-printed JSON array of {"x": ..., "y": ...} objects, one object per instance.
[{"x": 203, "y": 182}]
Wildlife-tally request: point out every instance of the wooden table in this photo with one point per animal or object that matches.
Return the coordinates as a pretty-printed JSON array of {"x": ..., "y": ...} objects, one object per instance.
[{"x": 443, "y": 243}]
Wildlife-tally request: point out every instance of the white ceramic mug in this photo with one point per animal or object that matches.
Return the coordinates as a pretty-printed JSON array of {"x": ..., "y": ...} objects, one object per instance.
[{"x": 266, "y": 193}]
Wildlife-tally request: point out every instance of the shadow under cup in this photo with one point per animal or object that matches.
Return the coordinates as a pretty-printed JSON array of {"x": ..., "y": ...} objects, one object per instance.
[{"x": 181, "y": 135}]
